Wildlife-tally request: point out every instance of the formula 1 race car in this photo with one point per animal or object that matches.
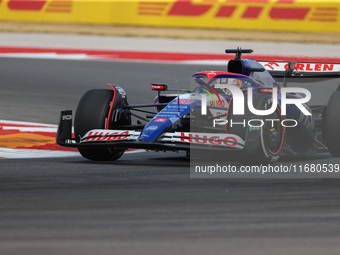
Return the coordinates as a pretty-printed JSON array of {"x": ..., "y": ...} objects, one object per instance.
[{"x": 243, "y": 112}]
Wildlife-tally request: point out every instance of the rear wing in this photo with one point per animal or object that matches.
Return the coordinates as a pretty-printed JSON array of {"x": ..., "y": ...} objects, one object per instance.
[{"x": 303, "y": 70}]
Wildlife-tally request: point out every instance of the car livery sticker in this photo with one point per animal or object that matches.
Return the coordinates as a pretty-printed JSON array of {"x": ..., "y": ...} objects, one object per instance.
[
  {"x": 96, "y": 135},
  {"x": 302, "y": 67},
  {"x": 225, "y": 140}
]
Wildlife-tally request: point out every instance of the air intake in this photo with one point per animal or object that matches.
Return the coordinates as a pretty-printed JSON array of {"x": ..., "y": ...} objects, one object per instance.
[{"x": 235, "y": 66}]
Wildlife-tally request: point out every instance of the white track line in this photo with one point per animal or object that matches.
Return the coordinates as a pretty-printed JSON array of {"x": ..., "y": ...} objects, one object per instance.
[
  {"x": 47, "y": 55},
  {"x": 8, "y": 153},
  {"x": 27, "y": 123},
  {"x": 57, "y": 56},
  {"x": 28, "y": 153}
]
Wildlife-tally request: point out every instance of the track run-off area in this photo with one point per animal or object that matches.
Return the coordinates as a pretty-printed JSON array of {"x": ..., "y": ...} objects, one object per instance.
[{"x": 53, "y": 201}]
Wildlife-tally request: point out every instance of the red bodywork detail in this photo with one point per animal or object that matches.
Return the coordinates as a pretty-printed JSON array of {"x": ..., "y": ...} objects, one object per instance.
[
  {"x": 158, "y": 87},
  {"x": 183, "y": 101},
  {"x": 271, "y": 64},
  {"x": 289, "y": 13},
  {"x": 226, "y": 11},
  {"x": 212, "y": 74},
  {"x": 215, "y": 92},
  {"x": 268, "y": 91},
  {"x": 22, "y": 5},
  {"x": 186, "y": 8},
  {"x": 252, "y": 12},
  {"x": 114, "y": 96},
  {"x": 160, "y": 120}
]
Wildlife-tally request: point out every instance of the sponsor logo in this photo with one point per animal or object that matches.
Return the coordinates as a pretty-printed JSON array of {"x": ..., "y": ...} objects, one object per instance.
[
  {"x": 221, "y": 9},
  {"x": 313, "y": 67},
  {"x": 67, "y": 117},
  {"x": 34, "y": 5},
  {"x": 213, "y": 139},
  {"x": 160, "y": 120},
  {"x": 220, "y": 103},
  {"x": 121, "y": 91},
  {"x": 272, "y": 64},
  {"x": 304, "y": 67},
  {"x": 107, "y": 136},
  {"x": 151, "y": 128},
  {"x": 166, "y": 116}
]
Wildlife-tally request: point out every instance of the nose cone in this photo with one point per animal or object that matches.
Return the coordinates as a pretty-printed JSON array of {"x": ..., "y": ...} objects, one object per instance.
[
  {"x": 168, "y": 119},
  {"x": 157, "y": 126}
]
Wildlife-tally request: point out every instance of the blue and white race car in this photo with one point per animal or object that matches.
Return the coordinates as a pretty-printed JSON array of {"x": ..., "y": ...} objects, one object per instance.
[{"x": 243, "y": 111}]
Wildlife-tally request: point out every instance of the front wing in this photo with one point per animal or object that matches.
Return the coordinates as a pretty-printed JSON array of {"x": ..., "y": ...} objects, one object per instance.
[{"x": 125, "y": 139}]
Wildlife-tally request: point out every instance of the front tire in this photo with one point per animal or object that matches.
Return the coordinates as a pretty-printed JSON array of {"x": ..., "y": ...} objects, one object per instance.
[{"x": 92, "y": 113}]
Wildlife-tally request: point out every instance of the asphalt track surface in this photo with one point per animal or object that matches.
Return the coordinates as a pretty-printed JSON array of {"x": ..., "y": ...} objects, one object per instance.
[{"x": 144, "y": 203}]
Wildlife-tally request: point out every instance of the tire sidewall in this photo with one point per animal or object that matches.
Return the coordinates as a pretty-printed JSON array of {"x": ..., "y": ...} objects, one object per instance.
[{"x": 92, "y": 113}]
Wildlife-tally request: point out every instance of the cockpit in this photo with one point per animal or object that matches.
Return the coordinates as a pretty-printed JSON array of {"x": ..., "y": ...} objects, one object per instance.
[{"x": 208, "y": 84}]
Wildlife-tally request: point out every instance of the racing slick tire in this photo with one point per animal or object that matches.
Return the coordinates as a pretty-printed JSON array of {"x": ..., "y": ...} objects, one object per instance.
[
  {"x": 92, "y": 113},
  {"x": 331, "y": 124},
  {"x": 264, "y": 143}
]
